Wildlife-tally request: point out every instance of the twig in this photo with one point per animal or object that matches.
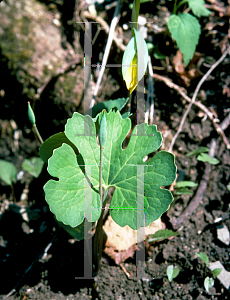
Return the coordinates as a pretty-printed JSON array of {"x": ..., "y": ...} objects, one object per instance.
[
  {"x": 113, "y": 25},
  {"x": 59, "y": 72},
  {"x": 215, "y": 7},
  {"x": 194, "y": 98},
  {"x": 210, "y": 115},
  {"x": 226, "y": 122},
  {"x": 43, "y": 255},
  {"x": 105, "y": 26},
  {"x": 124, "y": 269},
  {"x": 177, "y": 222}
]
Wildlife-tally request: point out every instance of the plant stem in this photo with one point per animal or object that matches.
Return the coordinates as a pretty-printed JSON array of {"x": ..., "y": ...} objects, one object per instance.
[
  {"x": 129, "y": 102},
  {"x": 100, "y": 179},
  {"x": 13, "y": 193},
  {"x": 38, "y": 134},
  {"x": 135, "y": 13},
  {"x": 98, "y": 238},
  {"x": 174, "y": 7},
  {"x": 179, "y": 5}
]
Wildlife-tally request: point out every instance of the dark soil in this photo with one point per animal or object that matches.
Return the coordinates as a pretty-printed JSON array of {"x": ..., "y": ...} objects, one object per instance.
[{"x": 24, "y": 238}]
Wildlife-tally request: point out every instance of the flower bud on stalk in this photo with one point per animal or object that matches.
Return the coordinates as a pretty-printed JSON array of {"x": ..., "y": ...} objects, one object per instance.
[
  {"x": 33, "y": 121},
  {"x": 134, "y": 61},
  {"x": 31, "y": 114}
]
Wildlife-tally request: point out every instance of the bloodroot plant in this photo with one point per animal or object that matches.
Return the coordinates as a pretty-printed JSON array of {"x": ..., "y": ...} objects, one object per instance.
[
  {"x": 82, "y": 167},
  {"x": 87, "y": 159}
]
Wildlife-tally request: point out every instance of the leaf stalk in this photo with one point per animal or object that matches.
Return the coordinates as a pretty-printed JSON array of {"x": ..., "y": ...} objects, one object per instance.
[
  {"x": 175, "y": 7},
  {"x": 98, "y": 239},
  {"x": 38, "y": 134}
]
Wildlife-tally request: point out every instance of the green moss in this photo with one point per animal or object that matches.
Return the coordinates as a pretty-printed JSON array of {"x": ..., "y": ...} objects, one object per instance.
[
  {"x": 67, "y": 85},
  {"x": 16, "y": 42},
  {"x": 68, "y": 89}
]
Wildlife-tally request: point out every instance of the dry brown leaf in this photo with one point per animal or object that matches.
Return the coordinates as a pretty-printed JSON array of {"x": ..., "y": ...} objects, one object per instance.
[
  {"x": 120, "y": 256},
  {"x": 121, "y": 242},
  {"x": 193, "y": 70},
  {"x": 122, "y": 238}
]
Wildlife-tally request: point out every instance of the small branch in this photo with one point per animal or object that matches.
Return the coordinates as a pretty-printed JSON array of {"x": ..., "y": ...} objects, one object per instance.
[
  {"x": 177, "y": 222},
  {"x": 105, "y": 26},
  {"x": 125, "y": 271},
  {"x": 224, "y": 124},
  {"x": 210, "y": 115},
  {"x": 113, "y": 25},
  {"x": 215, "y": 7},
  {"x": 43, "y": 255},
  {"x": 194, "y": 98}
]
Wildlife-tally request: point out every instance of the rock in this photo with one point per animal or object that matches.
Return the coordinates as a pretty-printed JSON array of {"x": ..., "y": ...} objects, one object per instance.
[
  {"x": 31, "y": 43},
  {"x": 224, "y": 276},
  {"x": 223, "y": 234}
]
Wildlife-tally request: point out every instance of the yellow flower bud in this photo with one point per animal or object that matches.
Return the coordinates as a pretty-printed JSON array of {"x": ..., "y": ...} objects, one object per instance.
[{"x": 131, "y": 75}]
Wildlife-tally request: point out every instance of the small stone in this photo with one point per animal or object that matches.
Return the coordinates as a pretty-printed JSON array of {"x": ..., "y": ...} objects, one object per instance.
[
  {"x": 223, "y": 234},
  {"x": 224, "y": 276}
]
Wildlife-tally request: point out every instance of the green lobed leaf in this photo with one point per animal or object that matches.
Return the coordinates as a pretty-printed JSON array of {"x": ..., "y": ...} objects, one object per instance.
[
  {"x": 53, "y": 142},
  {"x": 150, "y": 47},
  {"x": 198, "y": 8},
  {"x": 33, "y": 165},
  {"x": 207, "y": 158},
  {"x": 108, "y": 105},
  {"x": 162, "y": 235},
  {"x": 203, "y": 257},
  {"x": 208, "y": 282},
  {"x": 172, "y": 272},
  {"x": 185, "y": 29},
  {"x": 76, "y": 232},
  {"x": 126, "y": 115},
  {"x": 66, "y": 196},
  {"x": 8, "y": 172},
  {"x": 198, "y": 151}
]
